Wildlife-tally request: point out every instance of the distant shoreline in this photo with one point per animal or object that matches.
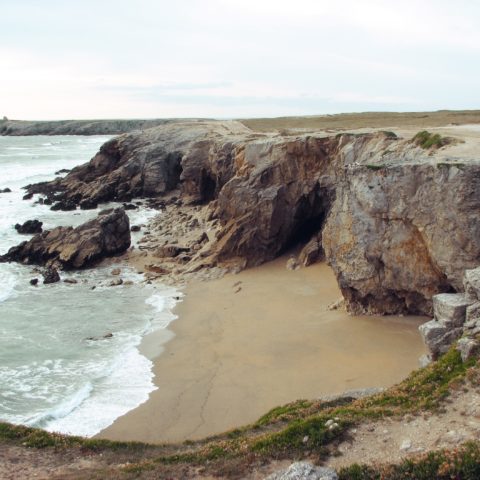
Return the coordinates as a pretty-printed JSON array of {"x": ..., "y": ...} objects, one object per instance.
[{"x": 300, "y": 123}]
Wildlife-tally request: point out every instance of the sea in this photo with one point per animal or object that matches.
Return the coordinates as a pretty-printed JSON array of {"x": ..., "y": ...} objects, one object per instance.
[{"x": 69, "y": 353}]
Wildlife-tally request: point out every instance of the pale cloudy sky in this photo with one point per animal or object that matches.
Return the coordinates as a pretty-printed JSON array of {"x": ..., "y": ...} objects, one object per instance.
[{"x": 236, "y": 58}]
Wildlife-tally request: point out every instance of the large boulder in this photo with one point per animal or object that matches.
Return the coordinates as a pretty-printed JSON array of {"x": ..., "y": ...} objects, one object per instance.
[
  {"x": 30, "y": 226},
  {"x": 304, "y": 471},
  {"x": 68, "y": 247}
]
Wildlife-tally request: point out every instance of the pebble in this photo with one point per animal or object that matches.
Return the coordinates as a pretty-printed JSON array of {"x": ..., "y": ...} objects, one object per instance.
[{"x": 406, "y": 445}]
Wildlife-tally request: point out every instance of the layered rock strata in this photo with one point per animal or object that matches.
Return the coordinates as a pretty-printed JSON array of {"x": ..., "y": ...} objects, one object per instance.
[
  {"x": 68, "y": 247},
  {"x": 396, "y": 224},
  {"x": 456, "y": 316}
]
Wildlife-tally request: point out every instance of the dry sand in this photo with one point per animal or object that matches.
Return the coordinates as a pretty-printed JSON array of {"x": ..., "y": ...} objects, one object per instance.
[{"x": 249, "y": 342}]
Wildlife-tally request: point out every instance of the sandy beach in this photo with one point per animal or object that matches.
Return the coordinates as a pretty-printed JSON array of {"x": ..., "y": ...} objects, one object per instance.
[{"x": 249, "y": 342}]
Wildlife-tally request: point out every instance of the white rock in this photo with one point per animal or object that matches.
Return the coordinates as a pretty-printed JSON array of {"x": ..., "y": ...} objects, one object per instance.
[
  {"x": 304, "y": 471},
  {"x": 406, "y": 445}
]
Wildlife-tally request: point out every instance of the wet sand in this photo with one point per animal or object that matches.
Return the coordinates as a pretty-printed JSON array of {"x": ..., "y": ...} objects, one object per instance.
[{"x": 246, "y": 343}]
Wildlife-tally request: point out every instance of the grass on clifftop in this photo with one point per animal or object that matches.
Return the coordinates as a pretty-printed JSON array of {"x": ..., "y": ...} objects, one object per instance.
[
  {"x": 428, "y": 140},
  {"x": 312, "y": 428},
  {"x": 461, "y": 463}
]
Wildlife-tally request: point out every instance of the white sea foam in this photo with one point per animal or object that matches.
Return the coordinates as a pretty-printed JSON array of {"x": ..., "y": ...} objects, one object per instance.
[{"x": 59, "y": 369}]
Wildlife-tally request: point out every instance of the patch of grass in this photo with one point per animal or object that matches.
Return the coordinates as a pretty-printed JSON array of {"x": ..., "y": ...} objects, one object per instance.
[
  {"x": 311, "y": 433},
  {"x": 284, "y": 412},
  {"x": 460, "y": 463},
  {"x": 428, "y": 140}
]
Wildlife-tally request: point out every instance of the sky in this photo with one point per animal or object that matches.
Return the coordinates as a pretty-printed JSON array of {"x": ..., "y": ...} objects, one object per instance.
[{"x": 236, "y": 58}]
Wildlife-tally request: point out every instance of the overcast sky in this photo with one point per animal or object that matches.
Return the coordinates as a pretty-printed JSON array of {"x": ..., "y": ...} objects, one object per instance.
[{"x": 236, "y": 58}]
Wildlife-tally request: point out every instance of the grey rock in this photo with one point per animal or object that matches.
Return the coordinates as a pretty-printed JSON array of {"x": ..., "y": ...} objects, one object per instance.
[
  {"x": 471, "y": 284},
  {"x": 468, "y": 347},
  {"x": 311, "y": 252},
  {"x": 473, "y": 313},
  {"x": 438, "y": 338},
  {"x": 50, "y": 275},
  {"x": 304, "y": 471},
  {"x": 29, "y": 227},
  {"x": 424, "y": 361},
  {"x": 106, "y": 235},
  {"x": 450, "y": 308}
]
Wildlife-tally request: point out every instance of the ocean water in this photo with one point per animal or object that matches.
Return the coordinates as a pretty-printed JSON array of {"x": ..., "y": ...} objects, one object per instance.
[{"x": 60, "y": 369}]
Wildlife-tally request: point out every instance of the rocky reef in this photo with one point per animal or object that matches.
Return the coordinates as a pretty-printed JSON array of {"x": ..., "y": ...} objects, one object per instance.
[
  {"x": 396, "y": 223},
  {"x": 68, "y": 247}
]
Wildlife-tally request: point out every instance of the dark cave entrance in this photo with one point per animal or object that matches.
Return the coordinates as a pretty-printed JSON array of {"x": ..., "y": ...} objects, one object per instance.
[
  {"x": 309, "y": 217},
  {"x": 208, "y": 187}
]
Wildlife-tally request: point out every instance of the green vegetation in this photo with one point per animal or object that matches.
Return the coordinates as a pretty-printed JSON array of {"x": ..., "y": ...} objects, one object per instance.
[
  {"x": 299, "y": 428},
  {"x": 461, "y": 463},
  {"x": 428, "y": 140}
]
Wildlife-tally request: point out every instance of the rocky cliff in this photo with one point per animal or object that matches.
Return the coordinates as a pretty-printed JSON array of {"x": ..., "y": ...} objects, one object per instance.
[{"x": 396, "y": 224}]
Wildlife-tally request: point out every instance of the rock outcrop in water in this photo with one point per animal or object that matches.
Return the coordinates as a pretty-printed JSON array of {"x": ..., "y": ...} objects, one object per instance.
[
  {"x": 396, "y": 224},
  {"x": 68, "y": 247}
]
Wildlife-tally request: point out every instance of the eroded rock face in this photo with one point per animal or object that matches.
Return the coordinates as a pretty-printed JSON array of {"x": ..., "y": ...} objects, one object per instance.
[
  {"x": 68, "y": 247},
  {"x": 396, "y": 225}
]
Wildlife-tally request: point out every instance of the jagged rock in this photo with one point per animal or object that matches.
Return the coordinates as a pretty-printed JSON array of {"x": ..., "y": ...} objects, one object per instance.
[
  {"x": 304, "y": 471},
  {"x": 30, "y": 226},
  {"x": 50, "y": 275},
  {"x": 473, "y": 312},
  {"x": 65, "y": 205},
  {"x": 471, "y": 284},
  {"x": 62, "y": 171},
  {"x": 468, "y": 347},
  {"x": 292, "y": 264},
  {"x": 438, "y": 337},
  {"x": 27, "y": 196},
  {"x": 88, "y": 204},
  {"x": 450, "y": 308},
  {"x": 169, "y": 251},
  {"x": 311, "y": 252},
  {"x": 5, "y": 190},
  {"x": 130, "y": 206},
  {"x": 106, "y": 235}
]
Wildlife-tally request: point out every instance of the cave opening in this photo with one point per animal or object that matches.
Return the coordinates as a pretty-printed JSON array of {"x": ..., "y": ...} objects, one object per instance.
[
  {"x": 208, "y": 187},
  {"x": 309, "y": 218}
]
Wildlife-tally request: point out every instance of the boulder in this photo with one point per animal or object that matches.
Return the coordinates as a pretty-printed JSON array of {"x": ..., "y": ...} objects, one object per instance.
[
  {"x": 30, "y": 226},
  {"x": 106, "y": 235},
  {"x": 135, "y": 228},
  {"x": 471, "y": 284},
  {"x": 473, "y": 312},
  {"x": 5, "y": 190},
  {"x": 50, "y": 275},
  {"x": 468, "y": 347},
  {"x": 311, "y": 252},
  {"x": 437, "y": 337},
  {"x": 88, "y": 204},
  {"x": 34, "y": 281},
  {"x": 450, "y": 308},
  {"x": 304, "y": 471},
  {"x": 65, "y": 205}
]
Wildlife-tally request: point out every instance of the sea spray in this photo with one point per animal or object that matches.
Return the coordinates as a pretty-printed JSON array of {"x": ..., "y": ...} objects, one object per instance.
[{"x": 69, "y": 353}]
